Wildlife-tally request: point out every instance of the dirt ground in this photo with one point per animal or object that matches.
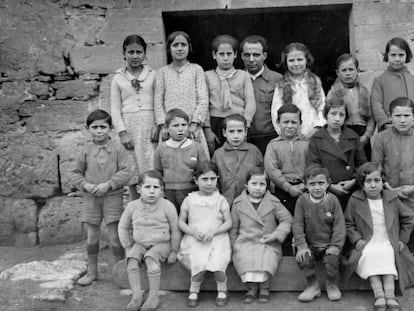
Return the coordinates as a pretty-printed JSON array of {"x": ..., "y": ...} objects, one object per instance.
[{"x": 103, "y": 295}]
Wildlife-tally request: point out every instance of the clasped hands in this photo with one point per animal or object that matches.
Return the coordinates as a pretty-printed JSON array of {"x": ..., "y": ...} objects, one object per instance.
[{"x": 97, "y": 190}]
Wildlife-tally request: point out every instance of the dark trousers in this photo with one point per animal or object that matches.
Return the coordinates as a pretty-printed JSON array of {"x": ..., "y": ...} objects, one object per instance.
[
  {"x": 177, "y": 197},
  {"x": 360, "y": 130},
  {"x": 217, "y": 126},
  {"x": 261, "y": 140},
  {"x": 331, "y": 263}
]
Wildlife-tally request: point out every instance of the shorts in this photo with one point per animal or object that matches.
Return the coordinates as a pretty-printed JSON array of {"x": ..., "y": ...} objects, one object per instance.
[
  {"x": 108, "y": 207},
  {"x": 159, "y": 252}
]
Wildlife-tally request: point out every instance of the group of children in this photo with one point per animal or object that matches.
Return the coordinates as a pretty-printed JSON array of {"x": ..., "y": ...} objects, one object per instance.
[{"x": 312, "y": 170}]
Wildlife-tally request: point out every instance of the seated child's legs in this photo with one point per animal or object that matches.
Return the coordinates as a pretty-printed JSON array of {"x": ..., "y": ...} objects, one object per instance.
[
  {"x": 134, "y": 277},
  {"x": 221, "y": 281},
  {"x": 331, "y": 266},
  {"x": 308, "y": 266},
  {"x": 220, "y": 276},
  {"x": 116, "y": 247}
]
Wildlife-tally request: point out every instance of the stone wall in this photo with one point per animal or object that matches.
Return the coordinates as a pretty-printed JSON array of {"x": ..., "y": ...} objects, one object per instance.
[{"x": 56, "y": 63}]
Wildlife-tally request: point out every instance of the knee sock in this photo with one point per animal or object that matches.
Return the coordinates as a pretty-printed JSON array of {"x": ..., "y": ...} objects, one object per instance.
[
  {"x": 376, "y": 286},
  {"x": 195, "y": 286},
  {"x": 252, "y": 286},
  {"x": 389, "y": 286},
  {"x": 92, "y": 251},
  {"x": 265, "y": 285},
  {"x": 222, "y": 286},
  {"x": 154, "y": 282},
  {"x": 118, "y": 252}
]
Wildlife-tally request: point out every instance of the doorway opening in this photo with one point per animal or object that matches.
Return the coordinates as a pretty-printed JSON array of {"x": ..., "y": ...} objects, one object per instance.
[{"x": 323, "y": 29}]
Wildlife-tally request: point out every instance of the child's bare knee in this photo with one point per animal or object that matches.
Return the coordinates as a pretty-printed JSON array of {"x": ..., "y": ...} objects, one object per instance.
[{"x": 152, "y": 265}]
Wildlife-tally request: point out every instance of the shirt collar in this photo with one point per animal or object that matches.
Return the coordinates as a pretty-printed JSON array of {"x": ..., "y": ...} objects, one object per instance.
[
  {"x": 408, "y": 133},
  {"x": 243, "y": 146},
  {"x": 255, "y": 76},
  {"x": 107, "y": 147}
]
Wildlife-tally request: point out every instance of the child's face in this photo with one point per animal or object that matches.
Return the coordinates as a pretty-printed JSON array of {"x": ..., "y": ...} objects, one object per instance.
[
  {"x": 396, "y": 57},
  {"x": 134, "y": 55},
  {"x": 150, "y": 190},
  {"x": 296, "y": 63},
  {"x": 178, "y": 129},
  {"x": 235, "y": 132},
  {"x": 99, "y": 130},
  {"x": 347, "y": 72},
  {"x": 373, "y": 185},
  {"x": 317, "y": 186},
  {"x": 336, "y": 117},
  {"x": 257, "y": 186},
  {"x": 224, "y": 56},
  {"x": 253, "y": 57},
  {"x": 402, "y": 118},
  {"x": 207, "y": 182},
  {"x": 179, "y": 48},
  {"x": 289, "y": 124}
]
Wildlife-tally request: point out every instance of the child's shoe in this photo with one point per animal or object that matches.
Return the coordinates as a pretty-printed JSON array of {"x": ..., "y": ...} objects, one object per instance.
[
  {"x": 134, "y": 304},
  {"x": 311, "y": 292},
  {"x": 333, "y": 291},
  {"x": 264, "y": 295},
  {"x": 89, "y": 277},
  {"x": 222, "y": 299},
  {"x": 151, "y": 303},
  {"x": 250, "y": 296},
  {"x": 192, "y": 300}
]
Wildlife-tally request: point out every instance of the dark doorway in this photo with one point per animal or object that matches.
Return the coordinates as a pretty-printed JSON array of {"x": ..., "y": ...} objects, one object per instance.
[{"x": 324, "y": 29}]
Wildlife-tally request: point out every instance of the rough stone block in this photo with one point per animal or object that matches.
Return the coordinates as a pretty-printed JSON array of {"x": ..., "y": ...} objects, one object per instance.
[
  {"x": 105, "y": 93},
  {"x": 18, "y": 222},
  {"x": 97, "y": 59},
  {"x": 68, "y": 147},
  {"x": 106, "y": 4},
  {"x": 60, "y": 221},
  {"x": 39, "y": 88},
  {"x": 50, "y": 65},
  {"x": 28, "y": 165},
  {"x": 47, "y": 115},
  {"x": 75, "y": 89}
]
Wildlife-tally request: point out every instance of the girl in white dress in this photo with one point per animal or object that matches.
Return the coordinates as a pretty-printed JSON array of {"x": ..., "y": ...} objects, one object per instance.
[
  {"x": 379, "y": 226},
  {"x": 301, "y": 87},
  {"x": 205, "y": 219}
]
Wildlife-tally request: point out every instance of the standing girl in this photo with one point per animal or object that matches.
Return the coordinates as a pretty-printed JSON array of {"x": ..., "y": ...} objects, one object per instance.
[
  {"x": 181, "y": 84},
  {"x": 301, "y": 87},
  {"x": 338, "y": 149},
  {"x": 379, "y": 226},
  {"x": 356, "y": 97},
  {"x": 132, "y": 107},
  {"x": 205, "y": 219},
  {"x": 395, "y": 82},
  {"x": 260, "y": 225}
]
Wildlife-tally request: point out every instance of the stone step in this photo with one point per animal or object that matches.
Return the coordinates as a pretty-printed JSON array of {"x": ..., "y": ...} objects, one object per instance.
[{"x": 288, "y": 278}]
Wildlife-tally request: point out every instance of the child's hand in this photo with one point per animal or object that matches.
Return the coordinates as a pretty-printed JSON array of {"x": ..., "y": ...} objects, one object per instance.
[
  {"x": 333, "y": 250},
  {"x": 102, "y": 189},
  {"x": 400, "y": 192},
  {"x": 295, "y": 191},
  {"x": 126, "y": 140},
  {"x": 338, "y": 189},
  {"x": 301, "y": 254},
  {"x": 347, "y": 184},
  {"x": 401, "y": 246},
  {"x": 208, "y": 236},
  {"x": 407, "y": 190},
  {"x": 211, "y": 138},
  {"x": 360, "y": 244},
  {"x": 192, "y": 130},
  {"x": 266, "y": 238},
  {"x": 198, "y": 235},
  {"x": 89, "y": 187},
  {"x": 364, "y": 140},
  {"x": 172, "y": 258},
  {"x": 155, "y": 134}
]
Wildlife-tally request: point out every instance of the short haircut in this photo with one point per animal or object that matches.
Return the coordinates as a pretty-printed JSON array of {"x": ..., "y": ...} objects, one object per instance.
[
  {"x": 134, "y": 39},
  {"x": 402, "y": 44},
  {"x": 224, "y": 39},
  {"x": 335, "y": 102},
  {"x": 367, "y": 168},
  {"x": 259, "y": 171},
  {"x": 255, "y": 39},
  {"x": 151, "y": 174},
  {"x": 346, "y": 57},
  {"x": 205, "y": 167},
  {"x": 401, "y": 102},
  {"x": 314, "y": 170},
  {"x": 175, "y": 113},
  {"x": 234, "y": 117},
  {"x": 296, "y": 46},
  {"x": 171, "y": 37},
  {"x": 98, "y": 115},
  {"x": 289, "y": 108}
]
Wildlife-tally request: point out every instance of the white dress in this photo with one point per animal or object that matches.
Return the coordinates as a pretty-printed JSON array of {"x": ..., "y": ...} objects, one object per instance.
[
  {"x": 204, "y": 213},
  {"x": 378, "y": 255}
]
